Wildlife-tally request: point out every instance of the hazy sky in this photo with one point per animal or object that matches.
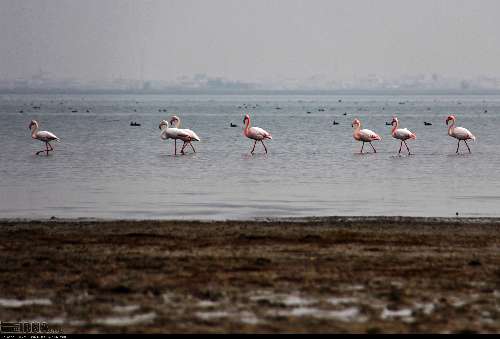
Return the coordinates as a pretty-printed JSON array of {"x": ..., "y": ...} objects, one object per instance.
[{"x": 248, "y": 40}]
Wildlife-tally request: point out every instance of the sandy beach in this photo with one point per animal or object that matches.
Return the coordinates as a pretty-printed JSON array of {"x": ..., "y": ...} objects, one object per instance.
[{"x": 362, "y": 275}]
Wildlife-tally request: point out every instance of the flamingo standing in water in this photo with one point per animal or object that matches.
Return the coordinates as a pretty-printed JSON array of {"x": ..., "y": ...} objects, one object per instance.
[
  {"x": 459, "y": 133},
  {"x": 255, "y": 133},
  {"x": 402, "y": 134},
  {"x": 44, "y": 136},
  {"x": 176, "y": 121},
  {"x": 168, "y": 133},
  {"x": 171, "y": 133},
  {"x": 364, "y": 135}
]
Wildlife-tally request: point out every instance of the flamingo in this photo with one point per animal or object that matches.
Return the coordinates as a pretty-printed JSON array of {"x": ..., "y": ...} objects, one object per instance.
[
  {"x": 170, "y": 133},
  {"x": 44, "y": 136},
  {"x": 176, "y": 121},
  {"x": 255, "y": 133},
  {"x": 364, "y": 135},
  {"x": 402, "y": 134},
  {"x": 459, "y": 133}
]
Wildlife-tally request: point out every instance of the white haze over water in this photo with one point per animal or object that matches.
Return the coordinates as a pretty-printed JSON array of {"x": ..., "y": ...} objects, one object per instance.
[{"x": 315, "y": 43}]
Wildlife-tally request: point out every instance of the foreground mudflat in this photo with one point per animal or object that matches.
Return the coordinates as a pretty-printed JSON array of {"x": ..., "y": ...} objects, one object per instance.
[{"x": 319, "y": 275}]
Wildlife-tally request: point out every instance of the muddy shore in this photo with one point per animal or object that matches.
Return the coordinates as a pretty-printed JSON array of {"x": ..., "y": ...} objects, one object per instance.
[{"x": 366, "y": 275}]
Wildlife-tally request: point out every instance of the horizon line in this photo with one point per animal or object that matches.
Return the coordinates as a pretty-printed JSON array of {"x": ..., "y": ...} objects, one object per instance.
[{"x": 189, "y": 91}]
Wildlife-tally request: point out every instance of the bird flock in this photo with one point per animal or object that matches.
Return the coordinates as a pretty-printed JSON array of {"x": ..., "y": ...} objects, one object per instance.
[
  {"x": 170, "y": 129},
  {"x": 403, "y": 134}
]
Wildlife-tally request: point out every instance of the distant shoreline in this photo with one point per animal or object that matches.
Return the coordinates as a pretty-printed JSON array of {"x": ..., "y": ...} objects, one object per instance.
[
  {"x": 396, "y": 92},
  {"x": 273, "y": 220}
]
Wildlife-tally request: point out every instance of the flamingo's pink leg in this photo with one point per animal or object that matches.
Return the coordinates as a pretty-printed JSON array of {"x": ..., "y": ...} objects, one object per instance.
[
  {"x": 264, "y": 146},
  {"x": 44, "y": 150},
  {"x": 363, "y": 145},
  {"x": 175, "y": 146},
  {"x": 407, "y": 146},
  {"x": 400, "y": 145},
  {"x": 182, "y": 149},
  {"x": 458, "y": 146},
  {"x": 374, "y": 150},
  {"x": 467, "y": 145},
  {"x": 192, "y": 146},
  {"x": 253, "y": 149}
]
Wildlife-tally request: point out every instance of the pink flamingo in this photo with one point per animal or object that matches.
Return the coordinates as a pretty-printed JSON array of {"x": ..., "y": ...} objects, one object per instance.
[
  {"x": 176, "y": 133},
  {"x": 402, "y": 134},
  {"x": 44, "y": 136},
  {"x": 459, "y": 133},
  {"x": 255, "y": 133},
  {"x": 176, "y": 121},
  {"x": 364, "y": 135}
]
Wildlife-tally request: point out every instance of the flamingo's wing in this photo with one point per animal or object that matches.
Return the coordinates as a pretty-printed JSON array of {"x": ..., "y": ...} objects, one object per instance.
[
  {"x": 46, "y": 136},
  {"x": 463, "y": 133},
  {"x": 182, "y": 134},
  {"x": 368, "y": 135},
  {"x": 174, "y": 133},
  {"x": 403, "y": 134},
  {"x": 260, "y": 133},
  {"x": 192, "y": 134}
]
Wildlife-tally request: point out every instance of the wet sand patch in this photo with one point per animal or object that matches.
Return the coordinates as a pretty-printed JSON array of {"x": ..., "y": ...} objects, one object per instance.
[{"x": 316, "y": 275}]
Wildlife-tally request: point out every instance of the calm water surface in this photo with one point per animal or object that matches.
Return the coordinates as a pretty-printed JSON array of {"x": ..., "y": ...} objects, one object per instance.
[{"x": 104, "y": 168}]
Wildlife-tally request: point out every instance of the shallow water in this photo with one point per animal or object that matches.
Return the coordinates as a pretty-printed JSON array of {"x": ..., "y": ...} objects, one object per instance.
[{"x": 107, "y": 169}]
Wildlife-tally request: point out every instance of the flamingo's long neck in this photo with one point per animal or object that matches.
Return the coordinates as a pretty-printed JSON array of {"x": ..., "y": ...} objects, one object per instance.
[
  {"x": 165, "y": 126},
  {"x": 357, "y": 128},
  {"x": 452, "y": 126},
  {"x": 395, "y": 127},
  {"x": 247, "y": 126},
  {"x": 34, "y": 130},
  {"x": 177, "y": 123}
]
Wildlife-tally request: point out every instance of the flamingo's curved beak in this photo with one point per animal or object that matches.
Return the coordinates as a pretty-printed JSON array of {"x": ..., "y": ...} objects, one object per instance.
[{"x": 447, "y": 119}]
